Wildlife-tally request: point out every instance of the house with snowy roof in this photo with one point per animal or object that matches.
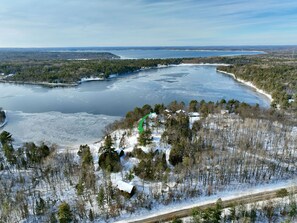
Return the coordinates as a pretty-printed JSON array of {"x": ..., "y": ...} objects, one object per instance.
[{"x": 126, "y": 188}]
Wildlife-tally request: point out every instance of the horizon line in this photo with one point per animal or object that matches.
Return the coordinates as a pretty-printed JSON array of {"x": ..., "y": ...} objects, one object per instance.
[{"x": 160, "y": 46}]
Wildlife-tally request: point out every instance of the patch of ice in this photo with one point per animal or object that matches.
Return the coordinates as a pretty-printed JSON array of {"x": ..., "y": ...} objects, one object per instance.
[{"x": 66, "y": 130}]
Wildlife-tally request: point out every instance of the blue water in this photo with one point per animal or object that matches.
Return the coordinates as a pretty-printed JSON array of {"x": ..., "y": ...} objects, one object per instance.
[
  {"x": 161, "y": 52},
  {"x": 78, "y": 115},
  {"x": 120, "y": 95},
  {"x": 150, "y": 54}
]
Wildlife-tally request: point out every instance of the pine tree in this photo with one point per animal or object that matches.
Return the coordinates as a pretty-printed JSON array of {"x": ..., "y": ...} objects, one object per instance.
[
  {"x": 40, "y": 206},
  {"x": 101, "y": 197},
  {"x": 91, "y": 215},
  {"x": 5, "y": 137},
  {"x": 64, "y": 213},
  {"x": 145, "y": 138}
]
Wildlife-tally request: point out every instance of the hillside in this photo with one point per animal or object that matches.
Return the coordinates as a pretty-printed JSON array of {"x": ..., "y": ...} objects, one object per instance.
[
  {"x": 185, "y": 152},
  {"x": 25, "y": 55}
]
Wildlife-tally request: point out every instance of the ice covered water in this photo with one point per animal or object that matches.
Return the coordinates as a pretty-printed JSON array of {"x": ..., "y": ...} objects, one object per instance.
[
  {"x": 119, "y": 95},
  {"x": 68, "y": 116},
  {"x": 66, "y": 130}
]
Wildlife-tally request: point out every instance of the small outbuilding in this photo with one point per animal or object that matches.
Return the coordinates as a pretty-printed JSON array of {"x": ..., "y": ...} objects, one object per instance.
[
  {"x": 180, "y": 111},
  {"x": 126, "y": 188},
  {"x": 194, "y": 114},
  {"x": 224, "y": 112}
]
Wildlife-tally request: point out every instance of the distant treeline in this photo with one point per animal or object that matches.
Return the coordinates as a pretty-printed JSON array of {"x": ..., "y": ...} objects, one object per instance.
[
  {"x": 275, "y": 73},
  {"x": 9, "y": 55},
  {"x": 278, "y": 79},
  {"x": 271, "y": 72},
  {"x": 71, "y": 71}
]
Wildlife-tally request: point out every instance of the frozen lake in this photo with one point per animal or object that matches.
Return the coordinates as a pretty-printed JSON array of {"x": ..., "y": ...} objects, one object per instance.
[{"x": 69, "y": 116}]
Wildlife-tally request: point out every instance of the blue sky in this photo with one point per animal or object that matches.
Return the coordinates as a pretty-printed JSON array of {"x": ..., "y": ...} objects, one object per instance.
[{"x": 58, "y": 23}]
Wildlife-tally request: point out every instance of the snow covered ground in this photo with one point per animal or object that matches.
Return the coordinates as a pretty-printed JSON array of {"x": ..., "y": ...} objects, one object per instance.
[
  {"x": 86, "y": 79},
  {"x": 66, "y": 130},
  {"x": 191, "y": 203}
]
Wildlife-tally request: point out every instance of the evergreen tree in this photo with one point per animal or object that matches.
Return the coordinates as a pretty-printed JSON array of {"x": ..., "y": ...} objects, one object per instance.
[
  {"x": 40, "y": 206},
  {"x": 193, "y": 106},
  {"x": 109, "y": 160},
  {"x": 145, "y": 138},
  {"x": 5, "y": 137},
  {"x": 9, "y": 153},
  {"x": 91, "y": 215},
  {"x": 64, "y": 213},
  {"x": 101, "y": 197}
]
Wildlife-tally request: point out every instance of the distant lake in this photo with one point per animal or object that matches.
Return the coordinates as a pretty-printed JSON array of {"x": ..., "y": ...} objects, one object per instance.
[
  {"x": 137, "y": 54},
  {"x": 160, "y": 52}
]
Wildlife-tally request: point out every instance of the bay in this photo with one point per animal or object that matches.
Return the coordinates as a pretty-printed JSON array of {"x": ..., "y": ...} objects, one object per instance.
[{"x": 75, "y": 115}]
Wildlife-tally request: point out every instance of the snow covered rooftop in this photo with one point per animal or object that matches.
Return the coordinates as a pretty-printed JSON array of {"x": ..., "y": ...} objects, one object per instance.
[
  {"x": 123, "y": 186},
  {"x": 179, "y": 111},
  {"x": 194, "y": 114},
  {"x": 153, "y": 115},
  {"x": 223, "y": 112}
]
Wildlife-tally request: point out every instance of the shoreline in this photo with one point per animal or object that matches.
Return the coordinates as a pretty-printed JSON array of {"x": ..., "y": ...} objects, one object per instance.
[
  {"x": 45, "y": 84},
  {"x": 85, "y": 79},
  {"x": 248, "y": 83},
  {"x": 92, "y": 79}
]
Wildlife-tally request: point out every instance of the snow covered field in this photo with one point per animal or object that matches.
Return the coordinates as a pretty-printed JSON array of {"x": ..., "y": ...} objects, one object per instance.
[
  {"x": 182, "y": 188},
  {"x": 191, "y": 203}
]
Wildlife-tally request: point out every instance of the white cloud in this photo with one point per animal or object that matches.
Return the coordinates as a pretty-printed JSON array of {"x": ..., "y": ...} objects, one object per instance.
[{"x": 145, "y": 22}]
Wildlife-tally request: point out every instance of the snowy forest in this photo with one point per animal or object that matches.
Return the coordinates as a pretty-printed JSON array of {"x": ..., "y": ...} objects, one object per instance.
[{"x": 184, "y": 152}]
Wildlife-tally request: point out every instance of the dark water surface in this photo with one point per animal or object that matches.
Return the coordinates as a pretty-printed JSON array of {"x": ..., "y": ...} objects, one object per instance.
[{"x": 118, "y": 95}]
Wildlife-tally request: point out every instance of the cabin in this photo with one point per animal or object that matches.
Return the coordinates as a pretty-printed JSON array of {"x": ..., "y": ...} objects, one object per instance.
[
  {"x": 193, "y": 117},
  {"x": 224, "y": 112},
  {"x": 153, "y": 115},
  {"x": 194, "y": 114},
  {"x": 169, "y": 186},
  {"x": 128, "y": 190},
  {"x": 168, "y": 111},
  {"x": 181, "y": 112}
]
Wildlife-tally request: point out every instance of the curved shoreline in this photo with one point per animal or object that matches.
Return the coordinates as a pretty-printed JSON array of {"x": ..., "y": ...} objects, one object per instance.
[
  {"x": 248, "y": 83},
  {"x": 83, "y": 80},
  {"x": 86, "y": 79}
]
